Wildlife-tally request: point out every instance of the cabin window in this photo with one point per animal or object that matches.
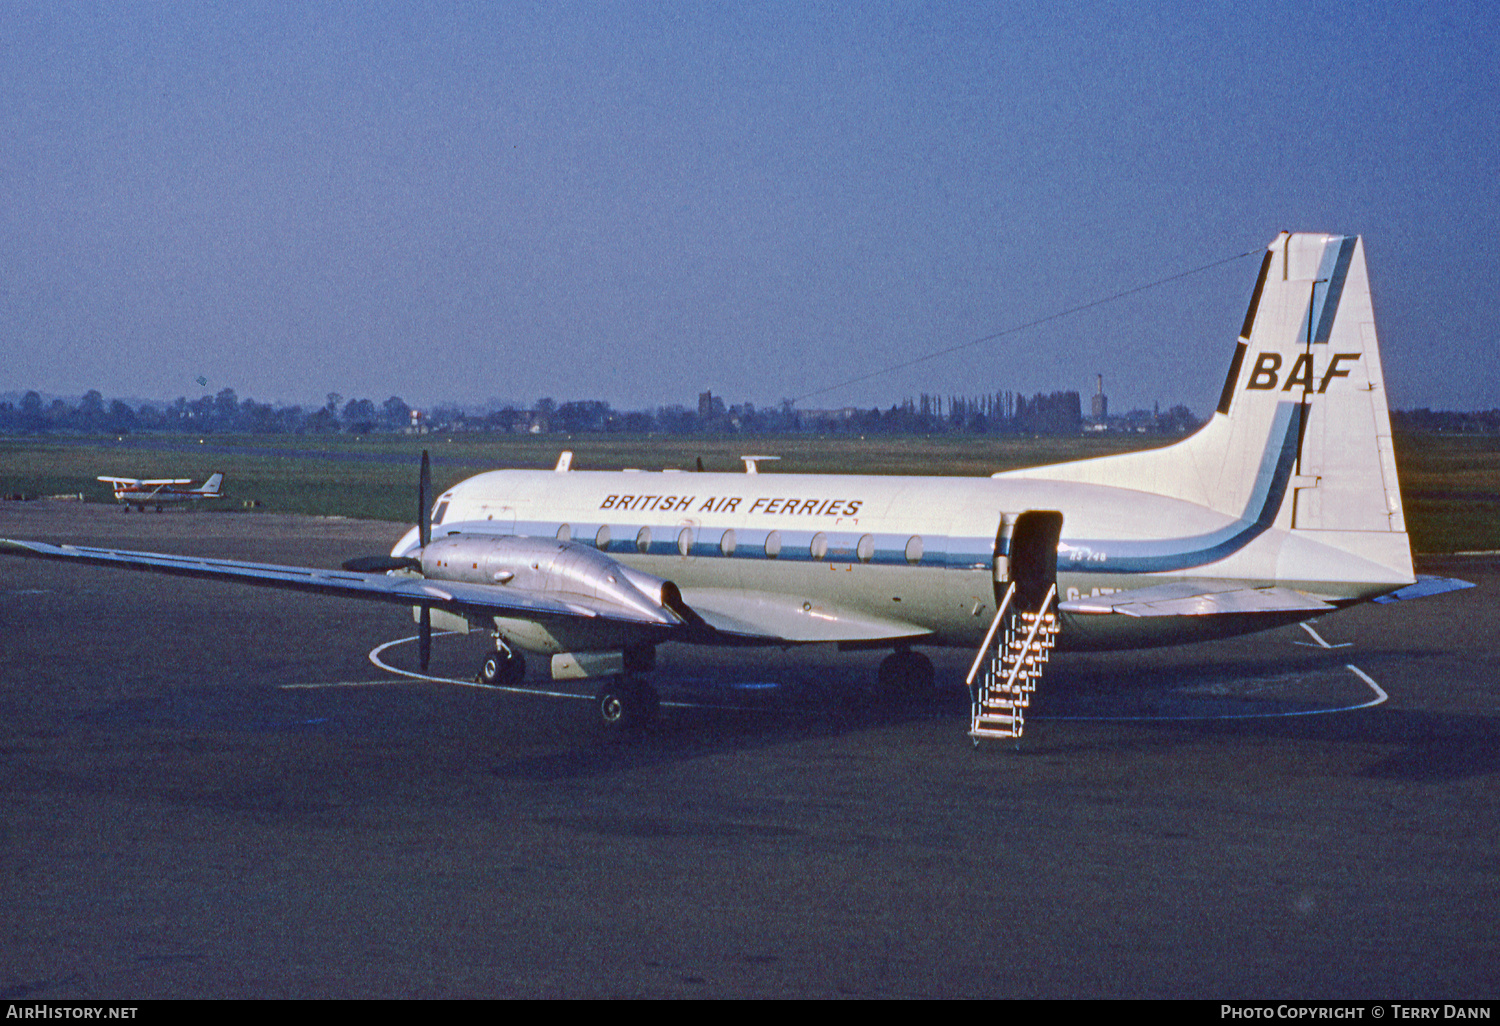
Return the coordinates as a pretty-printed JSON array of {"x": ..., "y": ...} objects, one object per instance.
[
  {"x": 601, "y": 540},
  {"x": 565, "y": 533},
  {"x": 914, "y": 549},
  {"x": 684, "y": 541},
  {"x": 726, "y": 543},
  {"x": 773, "y": 544},
  {"x": 819, "y": 547},
  {"x": 865, "y": 550},
  {"x": 643, "y": 540}
]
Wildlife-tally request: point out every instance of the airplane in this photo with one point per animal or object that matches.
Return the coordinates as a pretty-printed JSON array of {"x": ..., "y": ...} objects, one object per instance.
[
  {"x": 143, "y": 492},
  {"x": 1283, "y": 507}
]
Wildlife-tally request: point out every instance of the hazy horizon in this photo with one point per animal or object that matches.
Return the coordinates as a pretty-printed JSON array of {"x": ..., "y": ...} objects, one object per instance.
[{"x": 451, "y": 202}]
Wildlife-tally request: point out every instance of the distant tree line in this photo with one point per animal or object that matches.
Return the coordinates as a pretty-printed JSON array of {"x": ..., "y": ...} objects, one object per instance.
[
  {"x": 1057, "y": 413},
  {"x": 221, "y": 413},
  {"x": 1475, "y": 422}
]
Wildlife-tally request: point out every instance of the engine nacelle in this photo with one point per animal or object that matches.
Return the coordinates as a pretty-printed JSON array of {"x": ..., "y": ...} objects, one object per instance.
[{"x": 563, "y": 570}]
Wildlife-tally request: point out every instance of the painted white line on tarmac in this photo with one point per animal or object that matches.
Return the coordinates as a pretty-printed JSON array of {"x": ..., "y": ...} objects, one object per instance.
[
  {"x": 413, "y": 675},
  {"x": 1380, "y": 696},
  {"x": 378, "y": 649},
  {"x": 375, "y": 654},
  {"x": 382, "y": 683},
  {"x": 1319, "y": 639}
]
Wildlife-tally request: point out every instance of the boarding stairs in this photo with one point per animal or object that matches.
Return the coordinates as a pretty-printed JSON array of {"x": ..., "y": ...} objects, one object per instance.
[{"x": 1008, "y": 666}]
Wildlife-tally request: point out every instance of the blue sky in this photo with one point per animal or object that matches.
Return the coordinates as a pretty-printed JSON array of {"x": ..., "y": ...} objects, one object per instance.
[{"x": 637, "y": 201}]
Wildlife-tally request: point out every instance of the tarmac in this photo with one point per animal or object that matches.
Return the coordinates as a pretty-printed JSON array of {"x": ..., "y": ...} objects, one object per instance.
[{"x": 211, "y": 791}]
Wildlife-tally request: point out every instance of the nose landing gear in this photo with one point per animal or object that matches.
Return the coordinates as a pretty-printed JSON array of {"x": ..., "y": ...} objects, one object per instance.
[{"x": 626, "y": 703}]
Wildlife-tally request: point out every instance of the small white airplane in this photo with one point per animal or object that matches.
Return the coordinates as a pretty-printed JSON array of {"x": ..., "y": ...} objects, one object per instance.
[
  {"x": 143, "y": 492},
  {"x": 1283, "y": 507}
]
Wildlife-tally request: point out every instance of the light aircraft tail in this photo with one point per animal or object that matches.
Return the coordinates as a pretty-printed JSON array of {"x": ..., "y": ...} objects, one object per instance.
[
  {"x": 1301, "y": 437},
  {"x": 212, "y": 485}
]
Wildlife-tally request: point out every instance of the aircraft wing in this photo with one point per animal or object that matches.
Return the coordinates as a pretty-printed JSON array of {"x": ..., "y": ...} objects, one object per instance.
[
  {"x": 396, "y": 589},
  {"x": 1197, "y": 598},
  {"x": 150, "y": 481},
  {"x": 754, "y": 616},
  {"x": 746, "y": 616}
]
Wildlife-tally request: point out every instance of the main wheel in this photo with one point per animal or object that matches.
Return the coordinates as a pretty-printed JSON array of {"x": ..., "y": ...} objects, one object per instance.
[
  {"x": 502, "y": 668},
  {"x": 625, "y": 703}
]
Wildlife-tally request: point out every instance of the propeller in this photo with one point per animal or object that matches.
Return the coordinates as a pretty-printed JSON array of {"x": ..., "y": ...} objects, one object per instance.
[
  {"x": 382, "y": 564},
  {"x": 424, "y": 503},
  {"x": 424, "y": 537}
]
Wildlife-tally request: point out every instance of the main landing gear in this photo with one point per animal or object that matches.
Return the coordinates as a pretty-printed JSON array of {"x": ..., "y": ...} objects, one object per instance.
[
  {"x": 624, "y": 702},
  {"x": 503, "y": 667}
]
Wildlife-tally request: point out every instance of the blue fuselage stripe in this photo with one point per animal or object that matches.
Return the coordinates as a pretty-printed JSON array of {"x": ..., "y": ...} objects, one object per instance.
[{"x": 1271, "y": 480}]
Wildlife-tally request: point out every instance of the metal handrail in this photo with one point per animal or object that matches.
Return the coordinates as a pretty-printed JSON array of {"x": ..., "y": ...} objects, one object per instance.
[{"x": 994, "y": 626}]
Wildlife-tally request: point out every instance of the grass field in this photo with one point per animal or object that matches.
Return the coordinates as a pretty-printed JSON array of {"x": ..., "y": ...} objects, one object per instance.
[{"x": 1451, "y": 484}]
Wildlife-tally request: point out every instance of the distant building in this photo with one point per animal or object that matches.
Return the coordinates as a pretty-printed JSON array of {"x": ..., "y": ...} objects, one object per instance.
[
  {"x": 1099, "y": 411},
  {"x": 711, "y": 412}
]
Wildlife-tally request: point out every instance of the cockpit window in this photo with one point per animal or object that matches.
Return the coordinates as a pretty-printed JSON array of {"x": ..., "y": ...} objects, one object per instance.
[{"x": 437, "y": 514}]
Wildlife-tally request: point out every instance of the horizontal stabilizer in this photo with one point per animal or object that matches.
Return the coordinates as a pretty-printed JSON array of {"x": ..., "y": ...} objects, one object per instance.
[
  {"x": 1426, "y": 587},
  {"x": 1197, "y": 598}
]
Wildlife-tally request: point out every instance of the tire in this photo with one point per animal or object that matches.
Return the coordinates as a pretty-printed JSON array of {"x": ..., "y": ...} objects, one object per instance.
[
  {"x": 501, "y": 671},
  {"x": 625, "y": 704}
]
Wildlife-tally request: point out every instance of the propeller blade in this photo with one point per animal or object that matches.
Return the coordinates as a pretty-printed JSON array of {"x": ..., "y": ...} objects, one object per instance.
[
  {"x": 424, "y": 502},
  {"x": 424, "y": 637},
  {"x": 380, "y": 564}
]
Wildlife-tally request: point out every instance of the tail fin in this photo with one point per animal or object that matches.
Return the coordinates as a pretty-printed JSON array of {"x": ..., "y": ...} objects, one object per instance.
[
  {"x": 1301, "y": 438},
  {"x": 212, "y": 485},
  {"x": 1308, "y": 353}
]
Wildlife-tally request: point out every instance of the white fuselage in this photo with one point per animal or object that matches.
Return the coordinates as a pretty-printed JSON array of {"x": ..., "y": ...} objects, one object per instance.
[{"x": 921, "y": 550}]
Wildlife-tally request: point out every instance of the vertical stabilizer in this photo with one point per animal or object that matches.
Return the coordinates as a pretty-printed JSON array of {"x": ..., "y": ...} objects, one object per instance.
[
  {"x": 1310, "y": 344},
  {"x": 1301, "y": 437}
]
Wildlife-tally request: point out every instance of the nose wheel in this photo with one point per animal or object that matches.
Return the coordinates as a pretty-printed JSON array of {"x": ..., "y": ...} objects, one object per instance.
[{"x": 626, "y": 703}]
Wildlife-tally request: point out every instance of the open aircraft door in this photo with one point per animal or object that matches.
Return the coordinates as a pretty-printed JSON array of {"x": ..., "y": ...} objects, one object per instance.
[{"x": 1026, "y": 555}]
